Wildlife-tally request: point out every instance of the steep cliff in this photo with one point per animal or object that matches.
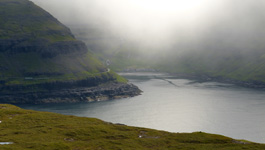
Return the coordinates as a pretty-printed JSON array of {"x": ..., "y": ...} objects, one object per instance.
[{"x": 40, "y": 54}]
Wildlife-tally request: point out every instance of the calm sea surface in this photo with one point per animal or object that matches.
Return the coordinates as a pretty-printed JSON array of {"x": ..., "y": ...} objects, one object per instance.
[{"x": 179, "y": 105}]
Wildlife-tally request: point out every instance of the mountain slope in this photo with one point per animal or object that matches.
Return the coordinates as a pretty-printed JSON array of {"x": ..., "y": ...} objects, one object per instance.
[
  {"x": 34, "y": 43},
  {"x": 246, "y": 68},
  {"x": 42, "y": 130},
  {"x": 38, "y": 53}
]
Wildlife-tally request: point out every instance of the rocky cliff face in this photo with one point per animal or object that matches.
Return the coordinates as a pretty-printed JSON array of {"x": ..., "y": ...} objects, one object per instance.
[
  {"x": 44, "y": 48},
  {"x": 40, "y": 60},
  {"x": 73, "y": 94}
]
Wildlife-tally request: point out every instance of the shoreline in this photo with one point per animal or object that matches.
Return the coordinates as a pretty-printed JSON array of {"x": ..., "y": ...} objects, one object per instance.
[
  {"x": 207, "y": 78},
  {"x": 73, "y": 95}
]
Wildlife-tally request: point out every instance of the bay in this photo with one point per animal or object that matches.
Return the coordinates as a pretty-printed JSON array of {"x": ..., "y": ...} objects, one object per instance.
[{"x": 179, "y": 105}]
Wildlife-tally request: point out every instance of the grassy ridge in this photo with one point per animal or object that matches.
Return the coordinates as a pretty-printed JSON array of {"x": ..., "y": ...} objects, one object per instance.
[
  {"x": 42, "y": 130},
  {"x": 23, "y": 18}
]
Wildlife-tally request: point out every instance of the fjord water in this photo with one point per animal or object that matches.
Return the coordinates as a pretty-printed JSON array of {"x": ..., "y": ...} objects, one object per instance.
[{"x": 179, "y": 105}]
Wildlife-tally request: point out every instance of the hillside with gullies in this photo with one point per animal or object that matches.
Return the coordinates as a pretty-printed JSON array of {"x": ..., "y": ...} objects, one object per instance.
[
  {"x": 41, "y": 61},
  {"x": 26, "y": 129}
]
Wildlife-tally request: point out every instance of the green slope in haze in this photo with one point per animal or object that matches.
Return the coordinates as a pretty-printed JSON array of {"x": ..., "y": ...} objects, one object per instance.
[
  {"x": 208, "y": 59},
  {"x": 245, "y": 66}
]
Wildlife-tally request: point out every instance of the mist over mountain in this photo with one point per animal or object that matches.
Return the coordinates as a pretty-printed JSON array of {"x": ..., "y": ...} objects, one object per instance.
[
  {"x": 66, "y": 51},
  {"x": 145, "y": 22},
  {"x": 219, "y": 38}
]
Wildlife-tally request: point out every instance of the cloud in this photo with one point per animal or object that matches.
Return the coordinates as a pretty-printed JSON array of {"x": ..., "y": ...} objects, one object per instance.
[{"x": 168, "y": 23}]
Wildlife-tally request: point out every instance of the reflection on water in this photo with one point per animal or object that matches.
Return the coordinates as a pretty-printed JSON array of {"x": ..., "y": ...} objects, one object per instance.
[{"x": 180, "y": 105}]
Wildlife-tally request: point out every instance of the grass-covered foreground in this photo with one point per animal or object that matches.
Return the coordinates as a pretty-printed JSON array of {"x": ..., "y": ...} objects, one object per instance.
[{"x": 29, "y": 129}]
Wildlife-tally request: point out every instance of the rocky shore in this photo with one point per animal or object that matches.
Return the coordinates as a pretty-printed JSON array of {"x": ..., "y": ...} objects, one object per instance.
[{"x": 81, "y": 94}]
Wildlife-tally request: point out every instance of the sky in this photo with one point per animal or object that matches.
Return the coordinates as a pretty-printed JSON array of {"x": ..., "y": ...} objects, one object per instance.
[
  {"x": 234, "y": 24},
  {"x": 151, "y": 16}
]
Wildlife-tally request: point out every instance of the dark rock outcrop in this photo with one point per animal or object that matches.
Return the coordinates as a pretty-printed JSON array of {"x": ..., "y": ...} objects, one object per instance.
[
  {"x": 58, "y": 85},
  {"x": 79, "y": 94},
  {"x": 44, "y": 48}
]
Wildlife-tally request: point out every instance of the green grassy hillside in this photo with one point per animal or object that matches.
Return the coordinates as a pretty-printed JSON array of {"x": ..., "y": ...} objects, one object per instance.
[
  {"x": 49, "y": 131},
  {"x": 22, "y": 18},
  {"x": 35, "y": 48}
]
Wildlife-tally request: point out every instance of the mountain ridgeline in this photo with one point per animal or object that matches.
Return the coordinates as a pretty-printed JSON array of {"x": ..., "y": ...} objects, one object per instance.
[{"x": 40, "y": 56}]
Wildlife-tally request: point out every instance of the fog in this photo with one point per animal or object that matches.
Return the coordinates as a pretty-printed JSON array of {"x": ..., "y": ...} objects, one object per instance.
[{"x": 169, "y": 24}]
